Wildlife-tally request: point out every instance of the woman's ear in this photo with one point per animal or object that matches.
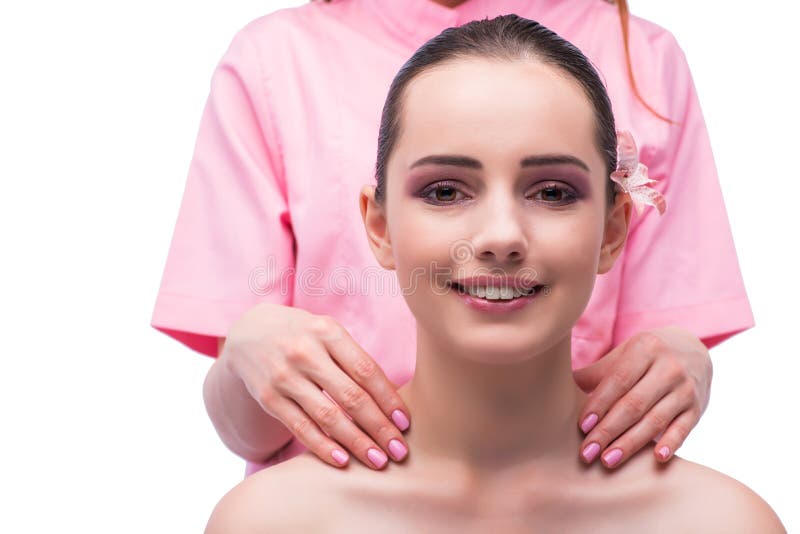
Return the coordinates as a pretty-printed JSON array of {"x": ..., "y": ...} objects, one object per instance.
[
  {"x": 616, "y": 232},
  {"x": 374, "y": 217}
]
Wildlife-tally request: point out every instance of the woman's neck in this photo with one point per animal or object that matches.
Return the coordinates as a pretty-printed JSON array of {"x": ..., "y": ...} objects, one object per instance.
[{"x": 487, "y": 417}]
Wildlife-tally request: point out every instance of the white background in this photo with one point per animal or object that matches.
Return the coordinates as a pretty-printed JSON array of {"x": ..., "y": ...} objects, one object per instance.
[{"x": 103, "y": 424}]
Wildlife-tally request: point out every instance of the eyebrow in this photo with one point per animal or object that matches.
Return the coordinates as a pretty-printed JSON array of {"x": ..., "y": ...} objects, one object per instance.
[{"x": 529, "y": 161}]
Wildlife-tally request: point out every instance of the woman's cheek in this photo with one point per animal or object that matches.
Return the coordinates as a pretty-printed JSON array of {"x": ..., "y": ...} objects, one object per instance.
[
  {"x": 584, "y": 273},
  {"x": 568, "y": 249}
]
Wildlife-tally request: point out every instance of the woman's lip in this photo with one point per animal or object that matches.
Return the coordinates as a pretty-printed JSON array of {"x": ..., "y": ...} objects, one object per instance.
[{"x": 497, "y": 305}]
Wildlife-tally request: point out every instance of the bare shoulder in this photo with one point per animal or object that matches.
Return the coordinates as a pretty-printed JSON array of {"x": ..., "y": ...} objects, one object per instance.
[
  {"x": 288, "y": 497},
  {"x": 711, "y": 501}
]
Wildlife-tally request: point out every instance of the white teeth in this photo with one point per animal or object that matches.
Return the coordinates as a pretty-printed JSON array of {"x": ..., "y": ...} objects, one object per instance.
[{"x": 497, "y": 293}]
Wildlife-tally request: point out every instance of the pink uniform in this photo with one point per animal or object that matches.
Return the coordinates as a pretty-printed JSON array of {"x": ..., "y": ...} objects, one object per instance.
[{"x": 289, "y": 135}]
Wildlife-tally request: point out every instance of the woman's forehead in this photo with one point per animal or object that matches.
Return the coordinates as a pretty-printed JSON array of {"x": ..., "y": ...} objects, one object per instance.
[{"x": 475, "y": 104}]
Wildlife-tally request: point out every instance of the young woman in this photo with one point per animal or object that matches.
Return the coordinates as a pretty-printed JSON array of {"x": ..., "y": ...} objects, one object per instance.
[{"x": 498, "y": 138}]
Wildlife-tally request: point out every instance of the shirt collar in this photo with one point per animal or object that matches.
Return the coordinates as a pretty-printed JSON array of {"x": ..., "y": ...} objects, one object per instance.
[{"x": 415, "y": 21}]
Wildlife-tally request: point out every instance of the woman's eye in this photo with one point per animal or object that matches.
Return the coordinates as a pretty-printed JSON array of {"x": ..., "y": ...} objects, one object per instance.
[
  {"x": 447, "y": 193},
  {"x": 442, "y": 193},
  {"x": 553, "y": 194}
]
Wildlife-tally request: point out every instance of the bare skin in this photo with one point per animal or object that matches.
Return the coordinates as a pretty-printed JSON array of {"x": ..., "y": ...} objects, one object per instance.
[{"x": 420, "y": 495}]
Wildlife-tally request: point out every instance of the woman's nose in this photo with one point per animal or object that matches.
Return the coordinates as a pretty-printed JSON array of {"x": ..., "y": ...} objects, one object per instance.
[{"x": 501, "y": 235}]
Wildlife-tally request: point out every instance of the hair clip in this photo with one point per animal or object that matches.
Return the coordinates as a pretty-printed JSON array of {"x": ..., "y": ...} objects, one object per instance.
[{"x": 631, "y": 175}]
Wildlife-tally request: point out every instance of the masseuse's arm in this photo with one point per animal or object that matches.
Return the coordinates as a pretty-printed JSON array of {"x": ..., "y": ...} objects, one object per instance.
[
  {"x": 267, "y": 382},
  {"x": 681, "y": 290},
  {"x": 239, "y": 419}
]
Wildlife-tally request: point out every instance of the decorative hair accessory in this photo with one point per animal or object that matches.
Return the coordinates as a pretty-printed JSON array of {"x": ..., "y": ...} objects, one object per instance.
[{"x": 631, "y": 176}]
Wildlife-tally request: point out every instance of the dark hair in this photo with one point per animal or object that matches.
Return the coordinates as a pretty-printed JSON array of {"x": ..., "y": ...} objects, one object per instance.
[{"x": 503, "y": 38}]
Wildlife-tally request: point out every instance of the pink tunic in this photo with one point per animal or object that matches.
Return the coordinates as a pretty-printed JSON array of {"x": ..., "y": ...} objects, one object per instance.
[{"x": 288, "y": 137}]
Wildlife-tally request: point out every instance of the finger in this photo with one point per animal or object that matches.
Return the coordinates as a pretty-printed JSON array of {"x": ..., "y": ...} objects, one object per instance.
[
  {"x": 357, "y": 411},
  {"x": 643, "y": 432},
  {"x": 621, "y": 378},
  {"x": 331, "y": 419},
  {"x": 360, "y": 366},
  {"x": 675, "y": 434},
  {"x": 630, "y": 409},
  {"x": 308, "y": 433}
]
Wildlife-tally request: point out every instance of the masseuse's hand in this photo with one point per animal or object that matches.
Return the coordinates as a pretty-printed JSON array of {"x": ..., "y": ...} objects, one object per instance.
[
  {"x": 286, "y": 356},
  {"x": 655, "y": 385}
]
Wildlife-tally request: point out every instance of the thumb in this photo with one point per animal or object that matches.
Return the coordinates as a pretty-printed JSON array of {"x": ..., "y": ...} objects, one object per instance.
[{"x": 587, "y": 378}]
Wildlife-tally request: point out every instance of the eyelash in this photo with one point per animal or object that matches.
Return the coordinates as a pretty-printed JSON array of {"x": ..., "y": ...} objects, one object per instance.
[{"x": 568, "y": 193}]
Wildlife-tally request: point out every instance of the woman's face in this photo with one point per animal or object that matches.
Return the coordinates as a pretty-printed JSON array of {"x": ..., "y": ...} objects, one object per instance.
[{"x": 487, "y": 213}]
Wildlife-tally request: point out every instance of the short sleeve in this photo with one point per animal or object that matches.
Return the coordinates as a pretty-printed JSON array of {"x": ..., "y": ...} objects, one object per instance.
[
  {"x": 232, "y": 246},
  {"x": 681, "y": 268}
]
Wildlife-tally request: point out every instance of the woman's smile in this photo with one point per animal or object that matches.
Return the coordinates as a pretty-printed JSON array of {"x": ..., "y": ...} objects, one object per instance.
[
  {"x": 495, "y": 294},
  {"x": 490, "y": 299}
]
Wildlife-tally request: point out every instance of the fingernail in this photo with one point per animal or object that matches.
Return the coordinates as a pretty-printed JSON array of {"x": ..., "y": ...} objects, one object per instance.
[
  {"x": 377, "y": 458},
  {"x": 612, "y": 457},
  {"x": 663, "y": 452},
  {"x": 397, "y": 449},
  {"x": 589, "y": 422},
  {"x": 339, "y": 456},
  {"x": 591, "y": 451},
  {"x": 400, "y": 420}
]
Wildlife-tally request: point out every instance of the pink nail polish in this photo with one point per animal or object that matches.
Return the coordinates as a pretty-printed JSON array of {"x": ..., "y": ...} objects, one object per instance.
[
  {"x": 397, "y": 449},
  {"x": 400, "y": 420},
  {"x": 612, "y": 457},
  {"x": 589, "y": 422},
  {"x": 339, "y": 456},
  {"x": 377, "y": 458},
  {"x": 590, "y": 451},
  {"x": 663, "y": 452}
]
